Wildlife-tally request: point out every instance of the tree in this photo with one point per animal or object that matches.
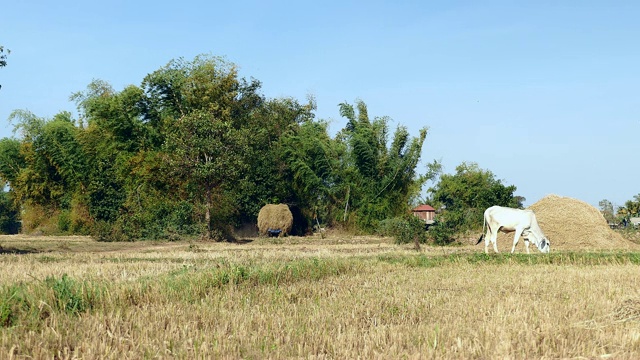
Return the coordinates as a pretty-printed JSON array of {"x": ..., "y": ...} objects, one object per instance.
[
  {"x": 11, "y": 161},
  {"x": 204, "y": 109},
  {"x": 48, "y": 169},
  {"x": 380, "y": 172},
  {"x": 3, "y": 57},
  {"x": 463, "y": 197},
  {"x": 205, "y": 154},
  {"x": 314, "y": 162},
  {"x": 631, "y": 208},
  {"x": 606, "y": 208},
  {"x": 275, "y": 127},
  {"x": 360, "y": 177}
]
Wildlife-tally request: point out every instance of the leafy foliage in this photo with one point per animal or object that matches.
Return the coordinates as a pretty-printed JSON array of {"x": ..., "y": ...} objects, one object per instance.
[
  {"x": 631, "y": 208},
  {"x": 3, "y": 56},
  {"x": 381, "y": 176},
  {"x": 9, "y": 216},
  {"x": 407, "y": 229},
  {"x": 194, "y": 149}
]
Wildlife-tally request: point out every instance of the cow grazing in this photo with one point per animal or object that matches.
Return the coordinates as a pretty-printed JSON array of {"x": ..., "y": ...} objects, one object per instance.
[{"x": 522, "y": 222}]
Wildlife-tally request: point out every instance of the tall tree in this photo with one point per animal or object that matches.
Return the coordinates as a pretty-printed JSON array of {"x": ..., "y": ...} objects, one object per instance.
[
  {"x": 268, "y": 178},
  {"x": 49, "y": 171},
  {"x": 317, "y": 176},
  {"x": 384, "y": 179},
  {"x": 204, "y": 109},
  {"x": 359, "y": 178},
  {"x": 606, "y": 208}
]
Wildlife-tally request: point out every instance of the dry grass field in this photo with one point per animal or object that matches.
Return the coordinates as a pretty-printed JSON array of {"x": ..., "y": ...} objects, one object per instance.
[{"x": 332, "y": 298}]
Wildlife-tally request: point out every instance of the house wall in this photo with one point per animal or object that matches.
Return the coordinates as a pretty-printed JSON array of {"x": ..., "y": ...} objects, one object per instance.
[{"x": 425, "y": 215}]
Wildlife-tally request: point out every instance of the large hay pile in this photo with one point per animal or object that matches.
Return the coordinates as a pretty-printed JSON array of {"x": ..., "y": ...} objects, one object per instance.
[
  {"x": 275, "y": 217},
  {"x": 574, "y": 224}
]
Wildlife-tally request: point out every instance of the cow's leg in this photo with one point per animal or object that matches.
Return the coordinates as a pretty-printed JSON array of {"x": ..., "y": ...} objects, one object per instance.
[
  {"x": 516, "y": 237},
  {"x": 487, "y": 239},
  {"x": 525, "y": 235},
  {"x": 494, "y": 240}
]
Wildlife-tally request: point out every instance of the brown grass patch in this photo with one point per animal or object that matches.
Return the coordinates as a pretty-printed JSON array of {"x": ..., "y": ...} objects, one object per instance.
[
  {"x": 384, "y": 303},
  {"x": 628, "y": 310}
]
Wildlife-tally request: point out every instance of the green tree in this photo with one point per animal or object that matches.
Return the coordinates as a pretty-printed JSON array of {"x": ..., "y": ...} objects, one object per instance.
[
  {"x": 3, "y": 57},
  {"x": 383, "y": 179},
  {"x": 204, "y": 109},
  {"x": 463, "y": 197},
  {"x": 117, "y": 142},
  {"x": 606, "y": 208},
  {"x": 275, "y": 126},
  {"x": 11, "y": 160},
  {"x": 316, "y": 172},
  {"x": 360, "y": 177},
  {"x": 49, "y": 171},
  {"x": 633, "y": 206}
]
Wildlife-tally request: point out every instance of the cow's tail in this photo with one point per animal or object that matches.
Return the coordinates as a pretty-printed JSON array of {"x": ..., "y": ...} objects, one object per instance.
[{"x": 484, "y": 222}]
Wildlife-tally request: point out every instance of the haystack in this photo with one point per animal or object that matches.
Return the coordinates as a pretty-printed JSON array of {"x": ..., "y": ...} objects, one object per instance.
[
  {"x": 275, "y": 217},
  {"x": 571, "y": 224}
]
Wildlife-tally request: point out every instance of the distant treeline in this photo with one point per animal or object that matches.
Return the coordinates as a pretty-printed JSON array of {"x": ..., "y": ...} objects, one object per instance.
[{"x": 195, "y": 150}]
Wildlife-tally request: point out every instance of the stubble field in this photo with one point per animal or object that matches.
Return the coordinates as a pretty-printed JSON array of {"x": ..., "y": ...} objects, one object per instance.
[{"x": 333, "y": 298}]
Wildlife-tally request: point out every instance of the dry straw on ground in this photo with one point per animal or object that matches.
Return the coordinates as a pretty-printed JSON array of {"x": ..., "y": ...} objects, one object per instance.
[
  {"x": 574, "y": 224},
  {"x": 276, "y": 217}
]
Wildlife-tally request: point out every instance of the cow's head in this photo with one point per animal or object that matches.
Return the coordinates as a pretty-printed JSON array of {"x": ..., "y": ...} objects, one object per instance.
[{"x": 544, "y": 245}]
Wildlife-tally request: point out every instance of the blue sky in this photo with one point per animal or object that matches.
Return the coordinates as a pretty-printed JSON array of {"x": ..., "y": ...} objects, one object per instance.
[{"x": 545, "y": 94}]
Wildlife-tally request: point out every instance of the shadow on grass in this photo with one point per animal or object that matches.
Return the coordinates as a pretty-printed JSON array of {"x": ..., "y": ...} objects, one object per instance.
[
  {"x": 242, "y": 241},
  {"x": 12, "y": 250}
]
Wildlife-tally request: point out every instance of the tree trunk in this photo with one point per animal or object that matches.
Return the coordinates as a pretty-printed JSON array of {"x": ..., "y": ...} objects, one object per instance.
[
  {"x": 416, "y": 242},
  {"x": 207, "y": 214},
  {"x": 346, "y": 205}
]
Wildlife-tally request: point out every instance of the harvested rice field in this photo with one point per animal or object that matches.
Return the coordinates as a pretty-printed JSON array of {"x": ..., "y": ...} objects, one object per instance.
[{"x": 334, "y": 297}]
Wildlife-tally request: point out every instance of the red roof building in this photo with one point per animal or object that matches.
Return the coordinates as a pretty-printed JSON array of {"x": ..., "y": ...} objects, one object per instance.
[{"x": 425, "y": 212}]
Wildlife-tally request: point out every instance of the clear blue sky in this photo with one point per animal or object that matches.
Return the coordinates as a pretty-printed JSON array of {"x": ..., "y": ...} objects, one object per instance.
[{"x": 545, "y": 94}]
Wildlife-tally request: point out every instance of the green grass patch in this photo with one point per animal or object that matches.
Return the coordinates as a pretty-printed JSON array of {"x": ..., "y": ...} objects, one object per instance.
[
  {"x": 558, "y": 258},
  {"x": 32, "y": 303},
  {"x": 193, "y": 283}
]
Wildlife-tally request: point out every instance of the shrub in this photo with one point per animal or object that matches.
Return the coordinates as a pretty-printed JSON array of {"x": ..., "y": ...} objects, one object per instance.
[
  {"x": 9, "y": 215},
  {"x": 404, "y": 229},
  {"x": 442, "y": 232}
]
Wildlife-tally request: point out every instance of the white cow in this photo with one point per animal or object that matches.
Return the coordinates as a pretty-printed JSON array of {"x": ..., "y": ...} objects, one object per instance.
[{"x": 522, "y": 222}]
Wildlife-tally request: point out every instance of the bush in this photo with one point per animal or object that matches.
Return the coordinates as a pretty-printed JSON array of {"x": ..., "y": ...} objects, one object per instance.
[
  {"x": 64, "y": 221},
  {"x": 404, "y": 229},
  {"x": 442, "y": 233},
  {"x": 9, "y": 217}
]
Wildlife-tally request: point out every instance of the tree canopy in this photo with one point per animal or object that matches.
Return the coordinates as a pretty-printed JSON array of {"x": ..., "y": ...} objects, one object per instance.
[{"x": 195, "y": 149}]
